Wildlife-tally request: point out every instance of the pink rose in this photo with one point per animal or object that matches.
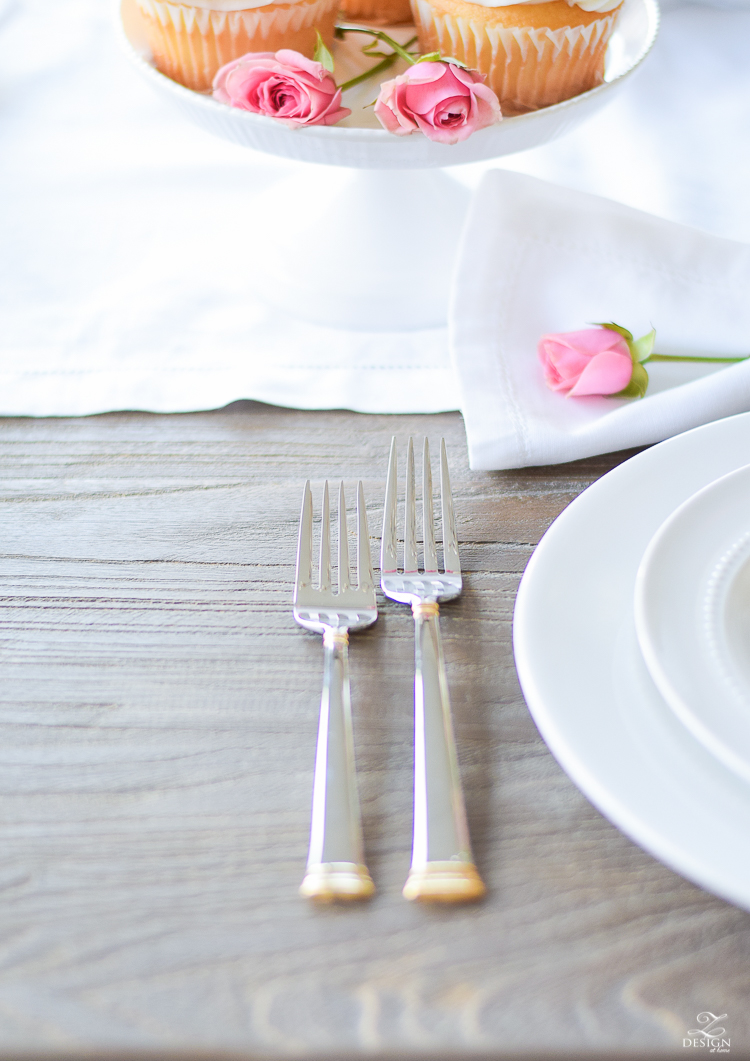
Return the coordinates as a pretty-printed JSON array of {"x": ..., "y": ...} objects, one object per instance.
[
  {"x": 592, "y": 361},
  {"x": 445, "y": 101},
  {"x": 284, "y": 85}
]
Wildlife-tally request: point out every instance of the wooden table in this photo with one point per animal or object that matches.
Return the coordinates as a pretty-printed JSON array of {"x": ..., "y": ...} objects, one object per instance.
[{"x": 159, "y": 710}]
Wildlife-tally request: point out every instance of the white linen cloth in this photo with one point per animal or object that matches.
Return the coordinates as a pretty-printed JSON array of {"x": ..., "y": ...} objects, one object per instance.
[
  {"x": 124, "y": 279},
  {"x": 538, "y": 258},
  {"x": 127, "y": 236}
]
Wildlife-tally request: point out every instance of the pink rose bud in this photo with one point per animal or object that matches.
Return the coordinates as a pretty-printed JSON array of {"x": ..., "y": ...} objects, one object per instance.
[
  {"x": 445, "y": 101},
  {"x": 283, "y": 85},
  {"x": 592, "y": 361}
]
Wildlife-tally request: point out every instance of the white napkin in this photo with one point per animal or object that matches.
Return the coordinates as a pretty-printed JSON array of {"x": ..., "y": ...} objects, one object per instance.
[{"x": 539, "y": 258}]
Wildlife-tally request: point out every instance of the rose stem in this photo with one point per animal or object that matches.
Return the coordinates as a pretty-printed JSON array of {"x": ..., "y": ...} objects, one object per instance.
[
  {"x": 381, "y": 37},
  {"x": 686, "y": 357},
  {"x": 389, "y": 60}
]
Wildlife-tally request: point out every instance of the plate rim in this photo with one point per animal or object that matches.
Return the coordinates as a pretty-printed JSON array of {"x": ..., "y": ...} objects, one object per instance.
[
  {"x": 645, "y": 603},
  {"x": 598, "y": 765}
]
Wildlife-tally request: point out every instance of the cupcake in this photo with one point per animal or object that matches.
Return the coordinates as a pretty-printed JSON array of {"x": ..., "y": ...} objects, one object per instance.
[
  {"x": 377, "y": 12},
  {"x": 189, "y": 42},
  {"x": 532, "y": 54}
]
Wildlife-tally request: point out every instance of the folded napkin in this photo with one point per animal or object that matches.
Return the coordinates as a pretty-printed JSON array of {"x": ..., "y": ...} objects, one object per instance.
[{"x": 538, "y": 258}]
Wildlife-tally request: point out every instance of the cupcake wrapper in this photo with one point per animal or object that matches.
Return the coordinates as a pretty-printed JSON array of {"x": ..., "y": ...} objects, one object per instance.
[
  {"x": 191, "y": 43},
  {"x": 378, "y": 12},
  {"x": 528, "y": 68}
]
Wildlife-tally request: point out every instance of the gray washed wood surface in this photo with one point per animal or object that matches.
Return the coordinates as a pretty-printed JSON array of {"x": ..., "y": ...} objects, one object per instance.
[{"x": 158, "y": 711}]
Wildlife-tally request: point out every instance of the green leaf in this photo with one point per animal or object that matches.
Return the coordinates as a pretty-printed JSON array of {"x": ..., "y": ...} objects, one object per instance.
[
  {"x": 638, "y": 383},
  {"x": 628, "y": 336},
  {"x": 322, "y": 55},
  {"x": 641, "y": 349},
  {"x": 436, "y": 57}
]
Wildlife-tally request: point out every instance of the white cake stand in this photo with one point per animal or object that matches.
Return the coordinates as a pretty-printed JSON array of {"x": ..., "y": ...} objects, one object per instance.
[{"x": 369, "y": 241}]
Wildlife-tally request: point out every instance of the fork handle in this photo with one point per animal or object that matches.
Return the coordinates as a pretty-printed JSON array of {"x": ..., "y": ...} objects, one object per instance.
[
  {"x": 442, "y": 867},
  {"x": 335, "y": 866}
]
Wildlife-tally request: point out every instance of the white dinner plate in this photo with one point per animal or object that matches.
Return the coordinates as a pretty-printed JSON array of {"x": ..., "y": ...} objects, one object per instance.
[
  {"x": 585, "y": 681},
  {"x": 692, "y": 616}
]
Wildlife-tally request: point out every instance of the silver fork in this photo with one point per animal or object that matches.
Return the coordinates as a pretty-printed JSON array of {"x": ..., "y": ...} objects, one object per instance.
[
  {"x": 335, "y": 865},
  {"x": 442, "y": 867}
]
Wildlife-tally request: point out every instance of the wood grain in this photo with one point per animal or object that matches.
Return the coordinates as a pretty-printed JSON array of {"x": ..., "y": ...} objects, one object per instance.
[{"x": 157, "y": 724}]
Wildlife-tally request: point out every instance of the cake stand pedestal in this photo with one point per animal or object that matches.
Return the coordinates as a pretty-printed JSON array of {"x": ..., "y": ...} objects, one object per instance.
[
  {"x": 375, "y": 252},
  {"x": 371, "y": 244}
]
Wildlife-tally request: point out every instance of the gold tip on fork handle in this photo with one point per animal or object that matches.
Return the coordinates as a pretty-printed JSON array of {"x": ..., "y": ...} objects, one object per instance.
[
  {"x": 332, "y": 882},
  {"x": 425, "y": 609},
  {"x": 445, "y": 882}
]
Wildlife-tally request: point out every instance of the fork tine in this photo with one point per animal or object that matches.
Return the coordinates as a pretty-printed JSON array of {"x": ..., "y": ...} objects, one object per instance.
[
  {"x": 325, "y": 543},
  {"x": 364, "y": 563},
  {"x": 388, "y": 548},
  {"x": 428, "y": 519},
  {"x": 411, "y": 562},
  {"x": 451, "y": 562},
  {"x": 304, "y": 543},
  {"x": 343, "y": 543}
]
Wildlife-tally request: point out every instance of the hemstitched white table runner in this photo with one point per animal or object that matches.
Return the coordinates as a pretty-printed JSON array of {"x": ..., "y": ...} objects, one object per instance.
[{"x": 126, "y": 231}]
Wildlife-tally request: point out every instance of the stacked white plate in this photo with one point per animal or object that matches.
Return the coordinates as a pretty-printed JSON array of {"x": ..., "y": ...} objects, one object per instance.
[{"x": 632, "y": 642}]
